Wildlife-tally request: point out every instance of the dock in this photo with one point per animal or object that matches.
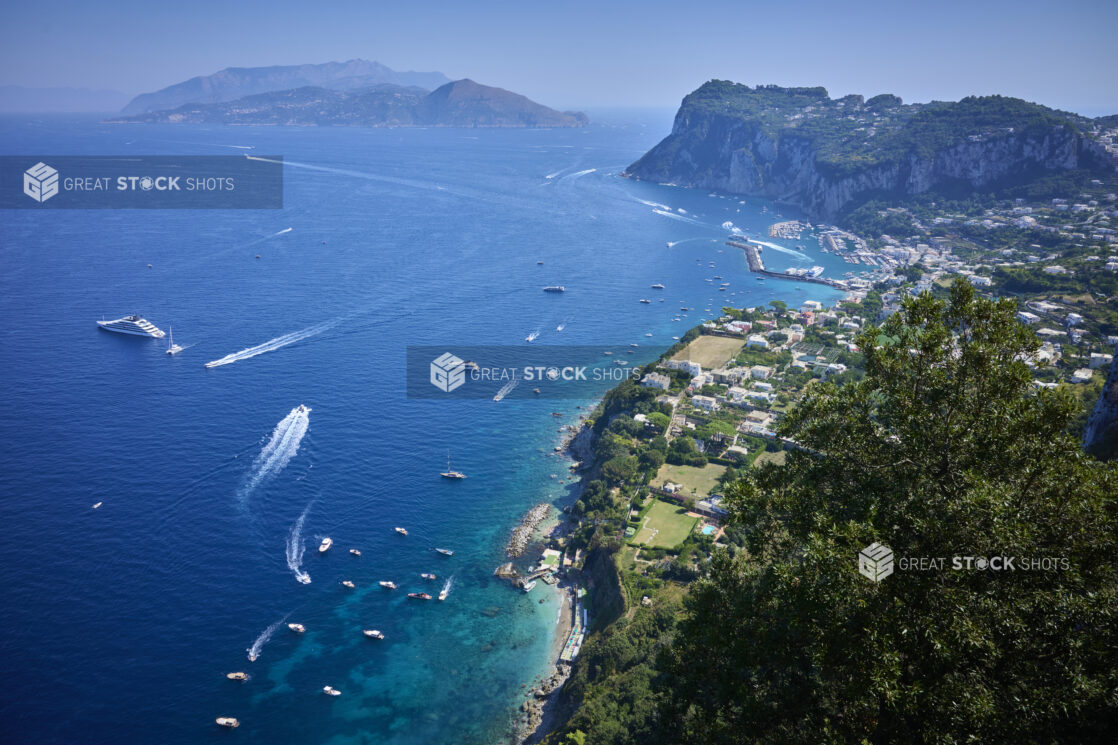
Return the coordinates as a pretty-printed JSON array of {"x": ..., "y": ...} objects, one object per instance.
[{"x": 757, "y": 266}]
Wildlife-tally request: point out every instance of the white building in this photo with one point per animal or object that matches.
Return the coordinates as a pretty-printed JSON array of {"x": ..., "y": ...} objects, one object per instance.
[
  {"x": 761, "y": 372},
  {"x": 1082, "y": 375},
  {"x": 687, "y": 366},
  {"x": 707, "y": 403},
  {"x": 656, "y": 380},
  {"x": 1099, "y": 360},
  {"x": 757, "y": 341},
  {"x": 1025, "y": 316}
]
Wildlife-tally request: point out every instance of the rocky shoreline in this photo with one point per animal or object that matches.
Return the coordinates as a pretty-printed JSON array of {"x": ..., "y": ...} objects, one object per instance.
[{"x": 522, "y": 533}]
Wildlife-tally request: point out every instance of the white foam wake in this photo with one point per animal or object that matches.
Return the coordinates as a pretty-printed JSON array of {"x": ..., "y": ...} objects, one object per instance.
[
  {"x": 579, "y": 174},
  {"x": 448, "y": 585},
  {"x": 280, "y": 448},
  {"x": 265, "y": 635},
  {"x": 273, "y": 344},
  {"x": 681, "y": 218},
  {"x": 506, "y": 389},
  {"x": 295, "y": 547},
  {"x": 657, "y": 205},
  {"x": 776, "y": 247}
]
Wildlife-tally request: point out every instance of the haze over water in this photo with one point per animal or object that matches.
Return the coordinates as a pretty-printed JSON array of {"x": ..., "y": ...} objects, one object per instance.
[{"x": 216, "y": 492}]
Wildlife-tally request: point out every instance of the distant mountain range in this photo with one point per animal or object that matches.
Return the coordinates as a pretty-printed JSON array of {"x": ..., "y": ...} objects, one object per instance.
[
  {"x": 237, "y": 82},
  {"x": 829, "y": 156},
  {"x": 462, "y": 103},
  {"x": 18, "y": 99}
]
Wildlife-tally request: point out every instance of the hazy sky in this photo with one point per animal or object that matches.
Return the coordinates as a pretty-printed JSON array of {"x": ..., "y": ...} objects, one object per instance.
[{"x": 591, "y": 54}]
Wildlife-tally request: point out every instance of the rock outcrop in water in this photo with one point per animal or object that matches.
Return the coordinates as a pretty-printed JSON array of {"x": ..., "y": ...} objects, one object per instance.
[{"x": 799, "y": 146}]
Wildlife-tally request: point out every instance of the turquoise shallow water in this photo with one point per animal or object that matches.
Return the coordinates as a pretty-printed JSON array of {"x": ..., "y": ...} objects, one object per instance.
[{"x": 120, "y": 623}]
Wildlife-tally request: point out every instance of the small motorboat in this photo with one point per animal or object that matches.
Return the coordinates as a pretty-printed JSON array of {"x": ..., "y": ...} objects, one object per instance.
[
  {"x": 401, "y": 531},
  {"x": 237, "y": 676},
  {"x": 97, "y": 505},
  {"x": 646, "y": 301},
  {"x": 443, "y": 594},
  {"x": 230, "y": 722},
  {"x": 298, "y": 628},
  {"x": 348, "y": 584},
  {"x": 325, "y": 545},
  {"x": 445, "y": 551},
  {"x": 419, "y": 596},
  {"x": 355, "y": 552},
  {"x": 331, "y": 691},
  {"x": 428, "y": 575},
  {"x": 388, "y": 585},
  {"x": 373, "y": 633},
  {"x": 529, "y": 587}
]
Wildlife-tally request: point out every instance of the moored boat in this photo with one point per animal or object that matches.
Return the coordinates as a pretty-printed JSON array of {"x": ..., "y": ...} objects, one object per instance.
[
  {"x": 325, "y": 545},
  {"x": 401, "y": 531},
  {"x": 419, "y": 596},
  {"x": 373, "y": 633},
  {"x": 355, "y": 552},
  {"x": 348, "y": 584},
  {"x": 331, "y": 691},
  {"x": 445, "y": 551},
  {"x": 228, "y": 722},
  {"x": 237, "y": 676},
  {"x": 428, "y": 575},
  {"x": 386, "y": 584}
]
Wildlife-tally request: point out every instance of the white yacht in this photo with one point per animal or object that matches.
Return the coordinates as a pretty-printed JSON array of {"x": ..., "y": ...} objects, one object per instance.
[
  {"x": 331, "y": 691},
  {"x": 325, "y": 545},
  {"x": 172, "y": 348},
  {"x": 134, "y": 325}
]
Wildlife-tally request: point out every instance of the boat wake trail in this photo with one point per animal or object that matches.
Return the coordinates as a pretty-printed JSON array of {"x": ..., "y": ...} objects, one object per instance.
[
  {"x": 506, "y": 389},
  {"x": 578, "y": 174},
  {"x": 681, "y": 218},
  {"x": 295, "y": 549},
  {"x": 265, "y": 635},
  {"x": 273, "y": 344},
  {"x": 280, "y": 449},
  {"x": 532, "y": 336},
  {"x": 799, "y": 256},
  {"x": 446, "y": 587}
]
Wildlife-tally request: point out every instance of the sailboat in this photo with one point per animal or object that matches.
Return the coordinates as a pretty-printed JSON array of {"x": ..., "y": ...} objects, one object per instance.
[
  {"x": 172, "y": 348},
  {"x": 449, "y": 474}
]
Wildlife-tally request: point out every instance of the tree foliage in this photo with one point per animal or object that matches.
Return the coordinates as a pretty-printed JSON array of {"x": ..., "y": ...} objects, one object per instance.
[{"x": 942, "y": 450}]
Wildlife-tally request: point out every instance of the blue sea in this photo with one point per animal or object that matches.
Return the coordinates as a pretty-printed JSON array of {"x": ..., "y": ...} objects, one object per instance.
[{"x": 119, "y": 623}]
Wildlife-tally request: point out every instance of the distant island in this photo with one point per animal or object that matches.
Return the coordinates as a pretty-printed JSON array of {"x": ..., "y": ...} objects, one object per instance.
[
  {"x": 462, "y": 103},
  {"x": 829, "y": 156},
  {"x": 237, "y": 82}
]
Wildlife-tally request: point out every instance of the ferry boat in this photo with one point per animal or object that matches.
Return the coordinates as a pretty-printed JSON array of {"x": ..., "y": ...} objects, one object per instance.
[
  {"x": 325, "y": 545},
  {"x": 134, "y": 325},
  {"x": 331, "y": 691},
  {"x": 298, "y": 628},
  {"x": 230, "y": 722},
  {"x": 445, "y": 551},
  {"x": 172, "y": 348},
  {"x": 419, "y": 596},
  {"x": 448, "y": 473},
  {"x": 657, "y": 286},
  {"x": 348, "y": 584},
  {"x": 387, "y": 584},
  {"x": 401, "y": 531},
  {"x": 555, "y": 288},
  {"x": 373, "y": 634},
  {"x": 429, "y": 576},
  {"x": 237, "y": 676}
]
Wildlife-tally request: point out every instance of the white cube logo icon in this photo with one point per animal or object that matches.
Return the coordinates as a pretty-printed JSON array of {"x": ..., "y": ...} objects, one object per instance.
[
  {"x": 40, "y": 182},
  {"x": 875, "y": 561},
  {"x": 447, "y": 372}
]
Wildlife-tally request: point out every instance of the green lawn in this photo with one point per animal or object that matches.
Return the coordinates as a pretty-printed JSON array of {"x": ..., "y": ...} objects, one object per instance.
[
  {"x": 665, "y": 526},
  {"x": 702, "y": 480}
]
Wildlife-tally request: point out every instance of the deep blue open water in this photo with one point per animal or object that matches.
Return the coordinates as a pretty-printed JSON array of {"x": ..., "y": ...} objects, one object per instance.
[{"x": 119, "y": 623}]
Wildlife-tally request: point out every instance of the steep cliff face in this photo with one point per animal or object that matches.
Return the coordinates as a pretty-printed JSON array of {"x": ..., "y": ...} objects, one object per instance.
[
  {"x": 1101, "y": 435},
  {"x": 799, "y": 146}
]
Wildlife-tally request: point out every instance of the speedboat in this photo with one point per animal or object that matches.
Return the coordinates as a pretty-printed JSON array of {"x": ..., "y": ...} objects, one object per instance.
[
  {"x": 97, "y": 505},
  {"x": 657, "y": 286},
  {"x": 303, "y": 409},
  {"x": 419, "y": 596},
  {"x": 355, "y": 552},
  {"x": 298, "y": 628},
  {"x": 646, "y": 301},
  {"x": 373, "y": 634},
  {"x": 331, "y": 691},
  {"x": 445, "y": 551},
  {"x": 348, "y": 584},
  {"x": 237, "y": 676},
  {"x": 442, "y": 595},
  {"x": 387, "y": 585},
  {"x": 230, "y": 722},
  {"x": 428, "y": 575},
  {"x": 401, "y": 531},
  {"x": 325, "y": 545}
]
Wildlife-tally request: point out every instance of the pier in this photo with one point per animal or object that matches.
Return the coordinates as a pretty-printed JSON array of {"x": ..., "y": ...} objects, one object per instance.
[{"x": 757, "y": 266}]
